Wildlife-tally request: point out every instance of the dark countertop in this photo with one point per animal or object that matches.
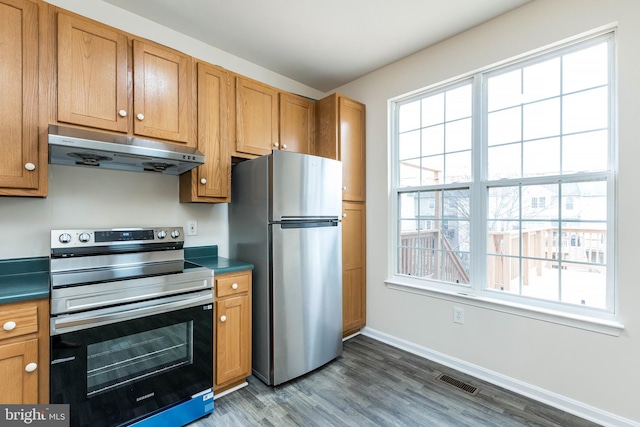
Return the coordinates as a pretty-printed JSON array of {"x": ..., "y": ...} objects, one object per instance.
[
  {"x": 207, "y": 256},
  {"x": 23, "y": 279}
]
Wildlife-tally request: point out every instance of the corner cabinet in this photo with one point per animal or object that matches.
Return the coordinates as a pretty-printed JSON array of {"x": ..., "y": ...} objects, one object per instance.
[
  {"x": 24, "y": 354},
  {"x": 109, "y": 80},
  {"x": 232, "y": 330},
  {"x": 340, "y": 135},
  {"x": 211, "y": 182},
  {"x": 23, "y": 164}
]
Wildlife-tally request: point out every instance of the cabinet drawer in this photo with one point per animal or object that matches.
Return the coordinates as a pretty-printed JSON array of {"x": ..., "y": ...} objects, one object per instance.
[
  {"x": 14, "y": 323},
  {"x": 231, "y": 285}
]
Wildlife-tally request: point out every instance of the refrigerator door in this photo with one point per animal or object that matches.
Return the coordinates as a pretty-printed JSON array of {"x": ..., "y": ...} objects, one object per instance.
[
  {"x": 304, "y": 186},
  {"x": 307, "y": 297}
]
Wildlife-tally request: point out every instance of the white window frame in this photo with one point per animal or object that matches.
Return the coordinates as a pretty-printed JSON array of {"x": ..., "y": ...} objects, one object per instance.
[{"x": 598, "y": 320}]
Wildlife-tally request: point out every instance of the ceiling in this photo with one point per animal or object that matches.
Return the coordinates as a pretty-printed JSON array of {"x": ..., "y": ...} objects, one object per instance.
[{"x": 320, "y": 43}]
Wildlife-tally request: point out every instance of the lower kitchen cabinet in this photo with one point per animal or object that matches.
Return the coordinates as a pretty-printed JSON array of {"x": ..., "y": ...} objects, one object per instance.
[
  {"x": 232, "y": 334},
  {"x": 354, "y": 284},
  {"x": 24, "y": 355}
]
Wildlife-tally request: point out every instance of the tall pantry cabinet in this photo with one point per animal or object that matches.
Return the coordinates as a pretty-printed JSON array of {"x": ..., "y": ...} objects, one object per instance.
[{"x": 340, "y": 134}]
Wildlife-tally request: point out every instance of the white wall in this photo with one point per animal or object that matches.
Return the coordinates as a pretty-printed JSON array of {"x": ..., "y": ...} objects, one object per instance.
[
  {"x": 597, "y": 371},
  {"x": 81, "y": 197}
]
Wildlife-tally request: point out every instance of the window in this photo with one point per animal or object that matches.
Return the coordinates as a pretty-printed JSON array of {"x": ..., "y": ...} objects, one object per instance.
[{"x": 503, "y": 182}]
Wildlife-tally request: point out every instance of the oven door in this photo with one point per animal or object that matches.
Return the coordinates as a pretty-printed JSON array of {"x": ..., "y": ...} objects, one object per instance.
[{"x": 121, "y": 364}]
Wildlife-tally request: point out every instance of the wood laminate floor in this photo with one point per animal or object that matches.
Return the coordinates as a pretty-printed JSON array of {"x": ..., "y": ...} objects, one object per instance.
[{"x": 374, "y": 384}]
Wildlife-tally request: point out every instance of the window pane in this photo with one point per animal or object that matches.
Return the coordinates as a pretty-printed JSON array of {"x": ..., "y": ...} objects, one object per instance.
[
  {"x": 585, "y": 152},
  {"x": 456, "y": 203},
  {"x": 503, "y": 273},
  {"x": 409, "y": 173},
  {"x": 504, "y": 161},
  {"x": 432, "y": 170},
  {"x": 458, "y": 135},
  {"x": 584, "y": 285},
  {"x": 505, "y": 126},
  {"x": 458, "y": 167},
  {"x": 541, "y": 119},
  {"x": 458, "y": 103},
  {"x": 541, "y": 157},
  {"x": 585, "y": 69},
  {"x": 409, "y": 116},
  {"x": 433, "y": 140},
  {"x": 541, "y": 80},
  {"x": 541, "y": 279},
  {"x": 548, "y": 193},
  {"x": 588, "y": 201},
  {"x": 433, "y": 110},
  {"x": 585, "y": 111},
  {"x": 505, "y": 90},
  {"x": 504, "y": 238},
  {"x": 409, "y": 145},
  {"x": 503, "y": 203}
]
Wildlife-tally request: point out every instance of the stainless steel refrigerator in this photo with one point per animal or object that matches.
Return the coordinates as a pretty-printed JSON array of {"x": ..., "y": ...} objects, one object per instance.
[{"x": 284, "y": 218}]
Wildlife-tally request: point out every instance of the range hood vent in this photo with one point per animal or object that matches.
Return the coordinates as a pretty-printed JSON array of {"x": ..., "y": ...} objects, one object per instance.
[{"x": 80, "y": 147}]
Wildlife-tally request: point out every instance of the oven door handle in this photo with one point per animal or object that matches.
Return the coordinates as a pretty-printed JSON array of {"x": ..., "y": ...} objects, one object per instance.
[{"x": 105, "y": 316}]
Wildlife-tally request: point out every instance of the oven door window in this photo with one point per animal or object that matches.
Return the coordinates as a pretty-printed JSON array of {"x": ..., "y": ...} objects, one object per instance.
[{"x": 124, "y": 360}]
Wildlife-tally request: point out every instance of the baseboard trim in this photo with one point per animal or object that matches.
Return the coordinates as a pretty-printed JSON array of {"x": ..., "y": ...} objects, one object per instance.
[
  {"x": 564, "y": 403},
  {"x": 231, "y": 390}
]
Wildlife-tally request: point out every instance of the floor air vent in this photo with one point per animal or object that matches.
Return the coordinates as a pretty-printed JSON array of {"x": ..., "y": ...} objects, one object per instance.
[{"x": 467, "y": 388}]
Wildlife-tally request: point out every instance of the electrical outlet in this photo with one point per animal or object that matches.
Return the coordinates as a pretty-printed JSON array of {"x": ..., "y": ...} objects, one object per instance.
[
  {"x": 458, "y": 315},
  {"x": 192, "y": 228}
]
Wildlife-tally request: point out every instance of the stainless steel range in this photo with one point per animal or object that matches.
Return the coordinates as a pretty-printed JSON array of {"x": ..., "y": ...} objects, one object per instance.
[{"x": 131, "y": 327}]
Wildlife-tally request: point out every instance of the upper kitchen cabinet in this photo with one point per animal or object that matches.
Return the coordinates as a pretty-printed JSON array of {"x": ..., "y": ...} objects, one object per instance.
[
  {"x": 211, "y": 182},
  {"x": 162, "y": 98},
  {"x": 94, "y": 63},
  {"x": 297, "y": 123},
  {"x": 340, "y": 134},
  {"x": 92, "y": 75},
  {"x": 256, "y": 124},
  {"x": 23, "y": 164}
]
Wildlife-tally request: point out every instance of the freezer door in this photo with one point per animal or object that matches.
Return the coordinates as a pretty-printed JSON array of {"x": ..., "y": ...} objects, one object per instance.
[
  {"x": 304, "y": 186},
  {"x": 307, "y": 298}
]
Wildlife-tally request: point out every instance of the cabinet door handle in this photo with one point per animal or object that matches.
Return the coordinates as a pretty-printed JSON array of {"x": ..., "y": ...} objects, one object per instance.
[
  {"x": 9, "y": 326},
  {"x": 122, "y": 113},
  {"x": 203, "y": 181},
  {"x": 29, "y": 166},
  {"x": 344, "y": 188},
  {"x": 223, "y": 319},
  {"x": 344, "y": 215},
  {"x": 284, "y": 146},
  {"x": 276, "y": 145},
  {"x": 234, "y": 286},
  {"x": 140, "y": 116},
  {"x": 31, "y": 367}
]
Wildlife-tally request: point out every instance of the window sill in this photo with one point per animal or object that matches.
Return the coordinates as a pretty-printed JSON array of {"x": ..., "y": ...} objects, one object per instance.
[{"x": 603, "y": 326}]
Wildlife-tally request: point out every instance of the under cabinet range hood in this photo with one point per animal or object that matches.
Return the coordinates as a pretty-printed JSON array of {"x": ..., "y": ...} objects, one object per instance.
[{"x": 80, "y": 147}]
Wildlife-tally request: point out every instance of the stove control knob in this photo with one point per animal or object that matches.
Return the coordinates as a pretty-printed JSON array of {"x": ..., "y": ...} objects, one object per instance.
[
  {"x": 175, "y": 234},
  {"x": 65, "y": 238},
  {"x": 162, "y": 234},
  {"x": 84, "y": 237}
]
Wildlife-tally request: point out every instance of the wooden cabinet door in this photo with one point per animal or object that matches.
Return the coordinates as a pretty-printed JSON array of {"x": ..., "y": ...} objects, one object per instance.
[
  {"x": 18, "y": 385},
  {"x": 352, "y": 149},
  {"x": 256, "y": 117},
  {"x": 92, "y": 75},
  {"x": 162, "y": 101},
  {"x": 353, "y": 267},
  {"x": 211, "y": 182},
  {"x": 297, "y": 123},
  {"x": 233, "y": 339},
  {"x": 19, "y": 166}
]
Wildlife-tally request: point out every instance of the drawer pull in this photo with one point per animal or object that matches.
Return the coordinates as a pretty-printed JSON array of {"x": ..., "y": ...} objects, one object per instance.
[
  {"x": 31, "y": 367},
  {"x": 223, "y": 318},
  {"x": 9, "y": 326},
  {"x": 234, "y": 286}
]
